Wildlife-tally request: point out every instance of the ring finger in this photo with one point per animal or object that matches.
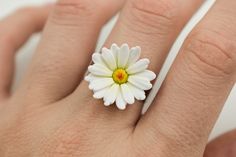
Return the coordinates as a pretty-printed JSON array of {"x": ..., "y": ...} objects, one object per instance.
[{"x": 61, "y": 58}]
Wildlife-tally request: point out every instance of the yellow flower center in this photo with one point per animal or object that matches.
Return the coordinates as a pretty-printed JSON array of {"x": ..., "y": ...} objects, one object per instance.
[{"x": 120, "y": 76}]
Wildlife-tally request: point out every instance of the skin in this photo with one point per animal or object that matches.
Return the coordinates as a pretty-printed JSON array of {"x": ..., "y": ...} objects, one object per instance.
[
  {"x": 52, "y": 112},
  {"x": 224, "y": 145}
]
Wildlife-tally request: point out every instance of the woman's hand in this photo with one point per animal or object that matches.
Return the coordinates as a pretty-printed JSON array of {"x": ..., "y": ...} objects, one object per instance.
[{"x": 53, "y": 113}]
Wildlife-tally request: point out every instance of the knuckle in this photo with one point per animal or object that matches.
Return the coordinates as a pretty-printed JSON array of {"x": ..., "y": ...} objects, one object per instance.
[
  {"x": 212, "y": 52},
  {"x": 152, "y": 16},
  {"x": 72, "y": 12}
]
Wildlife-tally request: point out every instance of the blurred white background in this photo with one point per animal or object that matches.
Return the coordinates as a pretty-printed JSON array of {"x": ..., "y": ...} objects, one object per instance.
[{"x": 227, "y": 120}]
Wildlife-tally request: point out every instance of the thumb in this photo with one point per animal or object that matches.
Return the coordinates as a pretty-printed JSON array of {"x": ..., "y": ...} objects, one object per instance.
[{"x": 223, "y": 146}]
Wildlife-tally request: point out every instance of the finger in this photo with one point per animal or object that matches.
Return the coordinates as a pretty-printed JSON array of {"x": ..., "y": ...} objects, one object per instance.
[
  {"x": 197, "y": 86},
  {"x": 152, "y": 25},
  {"x": 14, "y": 31},
  {"x": 222, "y": 146},
  {"x": 68, "y": 41}
]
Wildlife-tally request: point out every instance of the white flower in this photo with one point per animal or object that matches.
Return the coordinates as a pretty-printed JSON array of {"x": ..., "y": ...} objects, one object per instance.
[{"x": 118, "y": 76}]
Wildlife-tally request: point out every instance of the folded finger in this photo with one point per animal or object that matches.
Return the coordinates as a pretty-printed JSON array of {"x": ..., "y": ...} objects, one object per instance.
[{"x": 14, "y": 32}]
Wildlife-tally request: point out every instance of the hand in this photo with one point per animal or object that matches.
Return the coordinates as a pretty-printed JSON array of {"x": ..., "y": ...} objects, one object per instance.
[{"x": 52, "y": 112}]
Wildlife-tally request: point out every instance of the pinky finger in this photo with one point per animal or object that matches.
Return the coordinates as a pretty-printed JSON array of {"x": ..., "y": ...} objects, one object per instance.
[{"x": 14, "y": 32}]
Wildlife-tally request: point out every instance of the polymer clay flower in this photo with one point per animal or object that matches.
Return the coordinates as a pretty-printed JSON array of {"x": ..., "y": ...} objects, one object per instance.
[{"x": 118, "y": 76}]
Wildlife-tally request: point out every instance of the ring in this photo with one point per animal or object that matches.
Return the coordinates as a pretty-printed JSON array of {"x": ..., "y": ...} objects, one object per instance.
[{"x": 118, "y": 76}]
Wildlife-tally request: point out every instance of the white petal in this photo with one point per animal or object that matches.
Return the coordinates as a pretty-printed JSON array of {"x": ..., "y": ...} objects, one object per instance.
[
  {"x": 135, "y": 53},
  {"x": 101, "y": 93},
  {"x": 127, "y": 94},
  {"x": 123, "y": 56},
  {"x": 90, "y": 77},
  {"x": 109, "y": 58},
  {"x": 147, "y": 74},
  {"x": 120, "y": 102},
  {"x": 111, "y": 95},
  {"x": 100, "y": 70},
  {"x": 99, "y": 84},
  {"x": 140, "y": 82},
  {"x": 138, "y": 93},
  {"x": 139, "y": 66},
  {"x": 97, "y": 59},
  {"x": 115, "y": 49}
]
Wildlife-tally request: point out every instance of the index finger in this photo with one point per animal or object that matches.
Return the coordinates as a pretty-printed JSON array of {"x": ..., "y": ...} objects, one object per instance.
[{"x": 197, "y": 86}]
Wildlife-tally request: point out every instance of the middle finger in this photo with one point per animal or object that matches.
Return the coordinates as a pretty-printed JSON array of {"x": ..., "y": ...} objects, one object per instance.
[{"x": 152, "y": 25}]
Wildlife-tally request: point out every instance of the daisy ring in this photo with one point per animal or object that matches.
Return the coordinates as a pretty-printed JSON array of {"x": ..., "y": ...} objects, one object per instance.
[{"x": 119, "y": 76}]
